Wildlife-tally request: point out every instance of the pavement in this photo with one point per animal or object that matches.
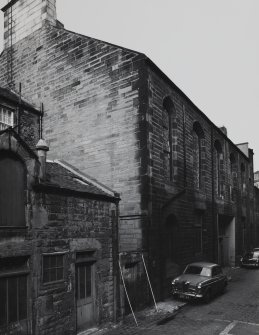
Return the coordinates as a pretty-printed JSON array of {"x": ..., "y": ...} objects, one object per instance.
[{"x": 148, "y": 318}]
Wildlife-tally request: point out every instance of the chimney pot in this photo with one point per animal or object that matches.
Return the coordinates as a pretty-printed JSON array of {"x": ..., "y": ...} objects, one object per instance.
[{"x": 42, "y": 149}]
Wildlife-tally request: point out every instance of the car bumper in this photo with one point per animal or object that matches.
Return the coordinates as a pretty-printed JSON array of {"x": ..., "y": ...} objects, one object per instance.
[
  {"x": 187, "y": 294},
  {"x": 252, "y": 265}
]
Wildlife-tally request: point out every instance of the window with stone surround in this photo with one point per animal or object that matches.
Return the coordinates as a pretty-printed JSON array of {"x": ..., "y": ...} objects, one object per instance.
[
  {"x": 13, "y": 290},
  {"x": 168, "y": 115},
  {"x": 13, "y": 302},
  {"x": 232, "y": 171},
  {"x": 53, "y": 267},
  {"x": 198, "y": 146},
  {"x": 218, "y": 155},
  {"x": 6, "y": 117},
  {"x": 12, "y": 190},
  {"x": 243, "y": 178}
]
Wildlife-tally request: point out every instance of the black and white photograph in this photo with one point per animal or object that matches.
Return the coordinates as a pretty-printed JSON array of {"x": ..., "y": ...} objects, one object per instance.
[{"x": 129, "y": 167}]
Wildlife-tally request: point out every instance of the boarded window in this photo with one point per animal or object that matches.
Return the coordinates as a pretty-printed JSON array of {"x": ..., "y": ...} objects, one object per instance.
[
  {"x": 53, "y": 268},
  {"x": 12, "y": 185},
  {"x": 13, "y": 301}
]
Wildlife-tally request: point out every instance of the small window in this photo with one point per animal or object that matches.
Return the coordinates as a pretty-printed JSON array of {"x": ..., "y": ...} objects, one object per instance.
[
  {"x": 6, "y": 118},
  {"x": 13, "y": 301},
  {"x": 53, "y": 268}
]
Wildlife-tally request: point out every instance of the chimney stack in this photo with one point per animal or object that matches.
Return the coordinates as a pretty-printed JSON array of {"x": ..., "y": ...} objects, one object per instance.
[
  {"x": 23, "y": 17},
  {"x": 42, "y": 149}
]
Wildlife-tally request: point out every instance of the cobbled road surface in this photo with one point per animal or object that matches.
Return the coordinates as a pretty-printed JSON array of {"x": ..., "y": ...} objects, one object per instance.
[{"x": 236, "y": 312}]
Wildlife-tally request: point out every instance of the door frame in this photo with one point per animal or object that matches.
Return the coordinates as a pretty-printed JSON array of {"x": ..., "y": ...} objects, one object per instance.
[{"x": 93, "y": 290}]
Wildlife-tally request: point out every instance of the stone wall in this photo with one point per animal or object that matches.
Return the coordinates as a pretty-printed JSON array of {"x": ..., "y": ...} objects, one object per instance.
[{"x": 57, "y": 223}]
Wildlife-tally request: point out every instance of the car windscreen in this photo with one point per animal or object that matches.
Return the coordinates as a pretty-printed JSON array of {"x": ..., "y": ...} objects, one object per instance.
[
  {"x": 255, "y": 254},
  {"x": 198, "y": 270}
]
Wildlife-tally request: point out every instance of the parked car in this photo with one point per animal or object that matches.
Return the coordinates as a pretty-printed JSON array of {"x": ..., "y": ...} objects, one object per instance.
[
  {"x": 256, "y": 249},
  {"x": 250, "y": 259},
  {"x": 200, "y": 280}
]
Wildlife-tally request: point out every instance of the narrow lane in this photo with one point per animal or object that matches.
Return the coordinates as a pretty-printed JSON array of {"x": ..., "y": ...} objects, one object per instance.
[{"x": 234, "y": 313}]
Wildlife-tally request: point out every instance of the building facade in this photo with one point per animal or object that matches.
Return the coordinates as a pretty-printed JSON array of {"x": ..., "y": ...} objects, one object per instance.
[
  {"x": 57, "y": 235},
  {"x": 186, "y": 189}
]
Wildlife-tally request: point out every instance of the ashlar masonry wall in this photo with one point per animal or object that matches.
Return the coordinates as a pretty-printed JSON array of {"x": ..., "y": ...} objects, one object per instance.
[{"x": 90, "y": 91}]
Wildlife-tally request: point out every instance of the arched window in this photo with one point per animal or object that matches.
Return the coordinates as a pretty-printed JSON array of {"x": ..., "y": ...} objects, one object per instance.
[
  {"x": 168, "y": 114},
  {"x": 218, "y": 167},
  {"x": 243, "y": 179},
  {"x": 198, "y": 138},
  {"x": 12, "y": 187},
  {"x": 232, "y": 162},
  {"x": 172, "y": 238}
]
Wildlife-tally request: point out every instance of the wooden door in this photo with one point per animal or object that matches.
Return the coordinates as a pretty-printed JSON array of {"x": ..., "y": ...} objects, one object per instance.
[{"x": 85, "y": 295}]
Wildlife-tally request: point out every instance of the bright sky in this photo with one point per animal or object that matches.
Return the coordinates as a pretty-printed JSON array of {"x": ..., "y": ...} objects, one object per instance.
[{"x": 209, "y": 48}]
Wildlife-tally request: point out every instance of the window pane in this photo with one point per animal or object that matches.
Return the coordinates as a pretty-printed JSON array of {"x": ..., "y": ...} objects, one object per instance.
[
  {"x": 60, "y": 261},
  {"x": 53, "y": 268},
  {"x": 52, "y": 274},
  {"x": 22, "y": 297},
  {"x": 59, "y": 273},
  {"x": 12, "y": 299},
  {"x": 3, "y": 305},
  {"x": 88, "y": 281},
  {"x": 46, "y": 262},
  {"x": 53, "y": 261},
  {"x": 82, "y": 281}
]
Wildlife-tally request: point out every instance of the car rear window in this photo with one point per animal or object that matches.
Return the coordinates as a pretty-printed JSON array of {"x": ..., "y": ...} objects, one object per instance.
[{"x": 198, "y": 270}]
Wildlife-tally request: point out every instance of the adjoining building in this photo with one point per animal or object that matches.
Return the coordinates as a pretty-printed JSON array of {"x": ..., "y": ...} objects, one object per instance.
[
  {"x": 186, "y": 189},
  {"x": 57, "y": 234}
]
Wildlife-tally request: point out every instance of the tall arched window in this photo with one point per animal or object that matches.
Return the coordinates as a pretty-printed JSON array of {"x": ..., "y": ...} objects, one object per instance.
[
  {"x": 168, "y": 114},
  {"x": 198, "y": 139},
  {"x": 232, "y": 162},
  {"x": 243, "y": 179},
  {"x": 218, "y": 167},
  {"x": 12, "y": 187}
]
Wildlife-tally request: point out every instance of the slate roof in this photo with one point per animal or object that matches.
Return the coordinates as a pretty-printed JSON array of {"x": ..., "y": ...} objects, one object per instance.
[
  {"x": 60, "y": 177},
  {"x": 14, "y": 97}
]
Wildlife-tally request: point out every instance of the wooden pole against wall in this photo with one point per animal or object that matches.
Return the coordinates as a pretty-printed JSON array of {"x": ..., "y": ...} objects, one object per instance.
[
  {"x": 149, "y": 281},
  {"x": 123, "y": 282}
]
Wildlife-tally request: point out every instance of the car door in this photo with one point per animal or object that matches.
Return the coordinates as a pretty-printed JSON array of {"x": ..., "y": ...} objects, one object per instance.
[{"x": 218, "y": 279}]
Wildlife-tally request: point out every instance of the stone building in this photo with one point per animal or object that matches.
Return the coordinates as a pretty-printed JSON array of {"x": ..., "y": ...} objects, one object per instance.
[
  {"x": 256, "y": 179},
  {"x": 186, "y": 189},
  {"x": 57, "y": 234}
]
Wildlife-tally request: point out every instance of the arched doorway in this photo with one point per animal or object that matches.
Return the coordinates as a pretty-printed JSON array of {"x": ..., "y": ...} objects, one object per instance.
[{"x": 171, "y": 251}]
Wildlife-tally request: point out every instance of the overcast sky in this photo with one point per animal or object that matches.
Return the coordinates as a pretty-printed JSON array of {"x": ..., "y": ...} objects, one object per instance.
[{"x": 209, "y": 48}]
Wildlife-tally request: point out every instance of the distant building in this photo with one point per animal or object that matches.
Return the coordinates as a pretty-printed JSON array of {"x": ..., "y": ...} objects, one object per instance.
[
  {"x": 57, "y": 235},
  {"x": 187, "y": 191},
  {"x": 256, "y": 179}
]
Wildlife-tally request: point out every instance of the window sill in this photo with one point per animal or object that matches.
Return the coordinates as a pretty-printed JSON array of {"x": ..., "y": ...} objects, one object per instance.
[
  {"x": 52, "y": 283},
  {"x": 14, "y": 227}
]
